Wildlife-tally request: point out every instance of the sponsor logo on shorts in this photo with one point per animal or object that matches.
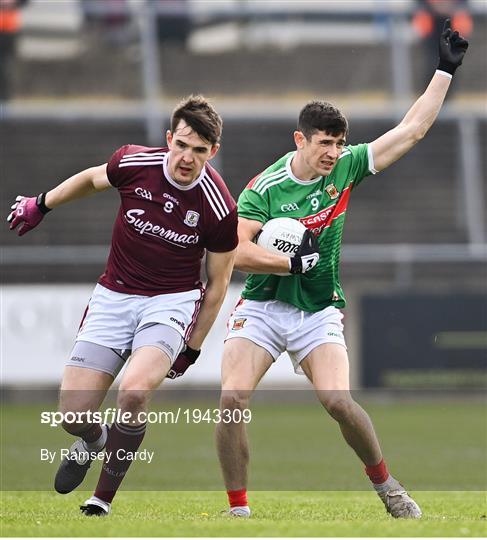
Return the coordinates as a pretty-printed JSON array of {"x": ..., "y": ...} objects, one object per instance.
[
  {"x": 166, "y": 345},
  {"x": 191, "y": 218},
  {"x": 238, "y": 324},
  {"x": 77, "y": 359},
  {"x": 334, "y": 334},
  {"x": 179, "y": 323}
]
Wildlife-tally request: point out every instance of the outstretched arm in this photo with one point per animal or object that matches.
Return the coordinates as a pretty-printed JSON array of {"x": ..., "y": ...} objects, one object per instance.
[
  {"x": 398, "y": 141},
  {"x": 78, "y": 186},
  {"x": 28, "y": 212}
]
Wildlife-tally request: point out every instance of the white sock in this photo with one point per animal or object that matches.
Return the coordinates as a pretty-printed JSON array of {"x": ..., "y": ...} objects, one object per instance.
[
  {"x": 99, "y": 444},
  {"x": 390, "y": 484}
]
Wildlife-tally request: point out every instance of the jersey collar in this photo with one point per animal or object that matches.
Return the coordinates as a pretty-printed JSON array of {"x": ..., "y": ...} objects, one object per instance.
[
  {"x": 173, "y": 182},
  {"x": 294, "y": 178}
]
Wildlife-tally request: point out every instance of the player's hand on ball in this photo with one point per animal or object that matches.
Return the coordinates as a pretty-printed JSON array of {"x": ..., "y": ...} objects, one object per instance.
[
  {"x": 307, "y": 255},
  {"x": 452, "y": 49},
  {"x": 27, "y": 212},
  {"x": 184, "y": 360}
]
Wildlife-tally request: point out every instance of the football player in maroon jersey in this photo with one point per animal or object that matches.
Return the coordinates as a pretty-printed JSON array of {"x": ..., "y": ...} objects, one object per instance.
[{"x": 149, "y": 304}]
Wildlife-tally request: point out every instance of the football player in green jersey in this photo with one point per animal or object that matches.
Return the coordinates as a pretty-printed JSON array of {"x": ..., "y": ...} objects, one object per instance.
[{"x": 299, "y": 312}]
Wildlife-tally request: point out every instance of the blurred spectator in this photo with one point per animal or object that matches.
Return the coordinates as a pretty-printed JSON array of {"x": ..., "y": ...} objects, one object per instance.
[
  {"x": 9, "y": 30},
  {"x": 173, "y": 21},
  {"x": 110, "y": 19},
  {"x": 428, "y": 22}
]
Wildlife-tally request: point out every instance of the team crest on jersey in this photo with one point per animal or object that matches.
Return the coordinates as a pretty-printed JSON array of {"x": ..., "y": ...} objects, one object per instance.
[
  {"x": 238, "y": 324},
  {"x": 191, "y": 218},
  {"x": 332, "y": 191}
]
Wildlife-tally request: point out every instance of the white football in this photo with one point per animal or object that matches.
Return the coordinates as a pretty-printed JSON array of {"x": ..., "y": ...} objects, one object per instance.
[{"x": 281, "y": 236}]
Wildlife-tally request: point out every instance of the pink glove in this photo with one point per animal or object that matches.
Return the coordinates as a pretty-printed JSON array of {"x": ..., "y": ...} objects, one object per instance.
[{"x": 28, "y": 211}]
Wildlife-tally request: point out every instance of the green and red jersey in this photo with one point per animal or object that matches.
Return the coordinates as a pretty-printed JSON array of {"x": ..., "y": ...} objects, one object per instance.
[{"x": 321, "y": 205}]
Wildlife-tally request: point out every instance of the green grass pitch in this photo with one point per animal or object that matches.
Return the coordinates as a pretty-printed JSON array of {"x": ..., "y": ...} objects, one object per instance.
[
  {"x": 319, "y": 514},
  {"x": 304, "y": 480}
]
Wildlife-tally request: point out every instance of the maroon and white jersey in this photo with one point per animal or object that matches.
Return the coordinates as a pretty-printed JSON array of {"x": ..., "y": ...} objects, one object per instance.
[{"x": 162, "y": 228}]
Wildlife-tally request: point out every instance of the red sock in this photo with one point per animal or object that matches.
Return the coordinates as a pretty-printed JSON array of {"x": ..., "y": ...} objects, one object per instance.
[
  {"x": 237, "y": 497},
  {"x": 114, "y": 469},
  {"x": 378, "y": 474}
]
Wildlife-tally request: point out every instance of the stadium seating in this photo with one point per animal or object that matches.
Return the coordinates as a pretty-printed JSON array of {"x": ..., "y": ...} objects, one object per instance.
[{"x": 415, "y": 201}]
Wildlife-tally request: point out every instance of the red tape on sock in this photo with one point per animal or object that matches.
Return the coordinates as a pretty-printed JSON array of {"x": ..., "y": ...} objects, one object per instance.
[
  {"x": 237, "y": 497},
  {"x": 378, "y": 474}
]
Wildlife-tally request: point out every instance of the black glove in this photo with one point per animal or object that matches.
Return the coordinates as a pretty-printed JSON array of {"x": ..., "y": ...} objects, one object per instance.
[
  {"x": 452, "y": 49},
  {"x": 307, "y": 255},
  {"x": 185, "y": 359}
]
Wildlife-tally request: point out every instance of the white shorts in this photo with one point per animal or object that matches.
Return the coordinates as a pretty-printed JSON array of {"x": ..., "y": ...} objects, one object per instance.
[
  {"x": 112, "y": 319},
  {"x": 278, "y": 327}
]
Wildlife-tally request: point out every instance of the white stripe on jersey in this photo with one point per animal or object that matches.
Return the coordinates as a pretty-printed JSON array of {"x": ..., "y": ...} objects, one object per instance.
[
  {"x": 267, "y": 186},
  {"x": 139, "y": 163},
  {"x": 141, "y": 159},
  {"x": 264, "y": 179},
  {"x": 271, "y": 180},
  {"x": 204, "y": 187},
  {"x": 343, "y": 154},
  {"x": 217, "y": 191},
  {"x": 148, "y": 154},
  {"x": 370, "y": 155},
  {"x": 210, "y": 194}
]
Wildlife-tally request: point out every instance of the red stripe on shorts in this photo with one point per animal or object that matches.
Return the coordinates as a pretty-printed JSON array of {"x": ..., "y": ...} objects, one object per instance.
[
  {"x": 84, "y": 316},
  {"x": 196, "y": 311}
]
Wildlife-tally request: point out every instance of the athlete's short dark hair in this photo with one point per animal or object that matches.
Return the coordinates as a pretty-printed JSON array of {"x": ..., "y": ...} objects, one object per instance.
[
  {"x": 321, "y": 116},
  {"x": 197, "y": 112}
]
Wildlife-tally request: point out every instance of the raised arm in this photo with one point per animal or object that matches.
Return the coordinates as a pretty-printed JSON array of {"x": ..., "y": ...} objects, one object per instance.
[
  {"x": 28, "y": 212},
  {"x": 398, "y": 141}
]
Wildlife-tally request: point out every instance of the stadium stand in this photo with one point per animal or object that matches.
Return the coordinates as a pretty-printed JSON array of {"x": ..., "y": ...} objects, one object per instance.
[
  {"x": 265, "y": 45},
  {"x": 419, "y": 200},
  {"x": 415, "y": 201},
  {"x": 103, "y": 70}
]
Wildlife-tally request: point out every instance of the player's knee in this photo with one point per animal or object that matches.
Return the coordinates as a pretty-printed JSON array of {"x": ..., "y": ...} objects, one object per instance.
[
  {"x": 234, "y": 399},
  {"x": 70, "y": 428},
  {"x": 75, "y": 422},
  {"x": 79, "y": 401},
  {"x": 75, "y": 412},
  {"x": 339, "y": 404},
  {"x": 132, "y": 401}
]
